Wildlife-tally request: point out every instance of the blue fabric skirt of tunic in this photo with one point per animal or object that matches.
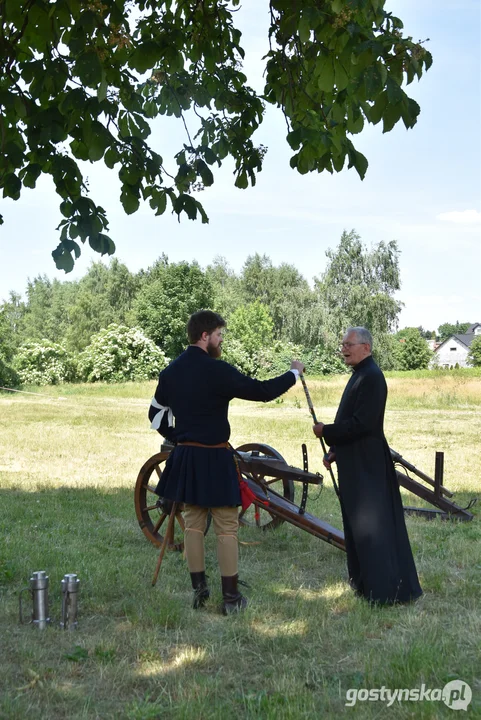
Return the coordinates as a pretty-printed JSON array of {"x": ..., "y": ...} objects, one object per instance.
[{"x": 206, "y": 477}]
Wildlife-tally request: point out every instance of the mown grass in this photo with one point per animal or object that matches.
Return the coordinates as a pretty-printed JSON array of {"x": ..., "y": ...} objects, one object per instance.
[{"x": 67, "y": 471}]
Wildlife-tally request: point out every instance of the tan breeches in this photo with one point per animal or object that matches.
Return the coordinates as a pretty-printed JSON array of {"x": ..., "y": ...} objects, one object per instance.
[{"x": 225, "y": 520}]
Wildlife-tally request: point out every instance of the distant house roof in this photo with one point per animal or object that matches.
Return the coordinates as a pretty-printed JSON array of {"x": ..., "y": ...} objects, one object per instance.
[{"x": 465, "y": 338}]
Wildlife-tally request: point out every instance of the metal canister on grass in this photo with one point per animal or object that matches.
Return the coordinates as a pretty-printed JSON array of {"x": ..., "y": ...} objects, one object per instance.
[
  {"x": 70, "y": 591},
  {"x": 38, "y": 589}
]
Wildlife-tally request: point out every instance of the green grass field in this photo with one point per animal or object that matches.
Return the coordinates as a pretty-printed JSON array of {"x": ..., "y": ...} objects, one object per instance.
[{"x": 68, "y": 464}]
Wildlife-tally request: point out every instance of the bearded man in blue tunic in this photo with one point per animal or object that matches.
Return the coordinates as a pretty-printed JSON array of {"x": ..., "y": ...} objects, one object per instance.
[
  {"x": 190, "y": 409},
  {"x": 379, "y": 558}
]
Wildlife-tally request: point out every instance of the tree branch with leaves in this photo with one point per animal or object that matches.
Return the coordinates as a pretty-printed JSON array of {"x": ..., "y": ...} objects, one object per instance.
[{"x": 83, "y": 80}]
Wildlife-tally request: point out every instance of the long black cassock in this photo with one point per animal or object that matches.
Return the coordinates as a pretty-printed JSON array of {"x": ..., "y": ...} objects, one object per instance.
[
  {"x": 379, "y": 558},
  {"x": 195, "y": 389}
]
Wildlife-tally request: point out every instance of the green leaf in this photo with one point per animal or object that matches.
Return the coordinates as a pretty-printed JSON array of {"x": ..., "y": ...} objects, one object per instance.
[
  {"x": 377, "y": 110},
  {"x": 204, "y": 172},
  {"x": 396, "y": 70},
  {"x": 103, "y": 87},
  {"x": 189, "y": 206},
  {"x": 112, "y": 156},
  {"x": 355, "y": 120},
  {"x": 138, "y": 126},
  {"x": 83, "y": 206},
  {"x": 338, "y": 161},
  {"x": 336, "y": 139},
  {"x": 79, "y": 150},
  {"x": 394, "y": 93},
  {"x": 428, "y": 60},
  {"x": 12, "y": 186},
  {"x": 31, "y": 175},
  {"x": 304, "y": 29},
  {"x": 306, "y": 160},
  {"x": 123, "y": 125},
  {"x": 102, "y": 244},
  {"x": 209, "y": 61},
  {"x": 410, "y": 112},
  {"x": 159, "y": 202},
  {"x": 373, "y": 81},
  {"x": 340, "y": 75},
  {"x": 390, "y": 116},
  {"x": 96, "y": 147},
  {"x": 129, "y": 201},
  {"x": 241, "y": 180},
  {"x": 145, "y": 57},
  {"x": 210, "y": 156},
  {"x": 294, "y": 160},
  {"x": 130, "y": 174},
  {"x": 294, "y": 138},
  {"x": 326, "y": 76},
  {"x": 363, "y": 60},
  {"x": 151, "y": 109},
  {"x": 20, "y": 108},
  {"x": 361, "y": 164},
  {"x": 203, "y": 214},
  {"x": 66, "y": 208},
  {"x": 62, "y": 255},
  {"x": 89, "y": 69}
]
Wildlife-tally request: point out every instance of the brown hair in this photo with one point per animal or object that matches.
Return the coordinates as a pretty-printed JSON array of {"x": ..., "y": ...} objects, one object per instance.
[{"x": 203, "y": 321}]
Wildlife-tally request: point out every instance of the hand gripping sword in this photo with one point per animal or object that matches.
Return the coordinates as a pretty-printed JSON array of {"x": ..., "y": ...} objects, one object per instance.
[{"x": 312, "y": 411}]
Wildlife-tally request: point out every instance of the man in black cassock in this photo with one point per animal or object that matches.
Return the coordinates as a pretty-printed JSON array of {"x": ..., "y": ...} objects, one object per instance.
[
  {"x": 200, "y": 472},
  {"x": 379, "y": 558}
]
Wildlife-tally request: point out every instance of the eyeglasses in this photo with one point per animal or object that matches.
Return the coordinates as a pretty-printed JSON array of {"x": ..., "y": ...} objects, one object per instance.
[{"x": 349, "y": 345}]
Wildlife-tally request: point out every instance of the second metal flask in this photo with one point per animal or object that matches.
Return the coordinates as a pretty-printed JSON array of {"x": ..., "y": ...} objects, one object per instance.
[{"x": 70, "y": 590}]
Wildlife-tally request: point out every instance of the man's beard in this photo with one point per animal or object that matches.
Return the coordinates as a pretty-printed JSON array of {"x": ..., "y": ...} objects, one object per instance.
[{"x": 214, "y": 352}]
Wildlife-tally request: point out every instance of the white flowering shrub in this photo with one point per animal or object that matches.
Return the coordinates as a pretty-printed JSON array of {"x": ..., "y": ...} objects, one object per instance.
[
  {"x": 44, "y": 363},
  {"x": 119, "y": 353}
]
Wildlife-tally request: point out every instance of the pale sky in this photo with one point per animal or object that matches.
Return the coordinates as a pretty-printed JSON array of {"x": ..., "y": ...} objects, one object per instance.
[{"x": 422, "y": 188}]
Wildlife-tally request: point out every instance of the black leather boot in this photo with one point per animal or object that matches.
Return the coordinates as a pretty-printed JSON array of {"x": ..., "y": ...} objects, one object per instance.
[
  {"x": 201, "y": 591},
  {"x": 233, "y": 600}
]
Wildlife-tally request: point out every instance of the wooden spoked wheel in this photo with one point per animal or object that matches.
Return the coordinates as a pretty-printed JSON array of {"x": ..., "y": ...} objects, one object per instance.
[
  {"x": 153, "y": 511},
  {"x": 257, "y": 516}
]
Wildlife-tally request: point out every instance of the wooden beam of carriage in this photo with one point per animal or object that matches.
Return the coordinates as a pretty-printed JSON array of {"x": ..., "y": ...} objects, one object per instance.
[
  {"x": 274, "y": 467},
  {"x": 436, "y": 499},
  {"x": 278, "y": 506},
  {"x": 398, "y": 458}
]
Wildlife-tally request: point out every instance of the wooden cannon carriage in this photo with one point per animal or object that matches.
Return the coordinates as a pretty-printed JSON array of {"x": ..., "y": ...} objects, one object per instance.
[{"x": 272, "y": 482}]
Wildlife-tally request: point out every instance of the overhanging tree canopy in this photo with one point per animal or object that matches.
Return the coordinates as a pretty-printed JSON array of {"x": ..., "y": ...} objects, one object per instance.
[{"x": 82, "y": 79}]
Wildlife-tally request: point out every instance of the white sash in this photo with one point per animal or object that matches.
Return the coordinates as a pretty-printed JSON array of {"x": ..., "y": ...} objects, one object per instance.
[{"x": 162, "y": 409}]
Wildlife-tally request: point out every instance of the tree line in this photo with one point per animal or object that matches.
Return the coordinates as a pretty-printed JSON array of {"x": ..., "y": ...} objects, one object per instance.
[{"x": 113, "y": 324}]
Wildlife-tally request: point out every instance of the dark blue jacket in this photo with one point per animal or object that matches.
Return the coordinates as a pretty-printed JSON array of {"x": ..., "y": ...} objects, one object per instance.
[{"x": 195, "y": 390}]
